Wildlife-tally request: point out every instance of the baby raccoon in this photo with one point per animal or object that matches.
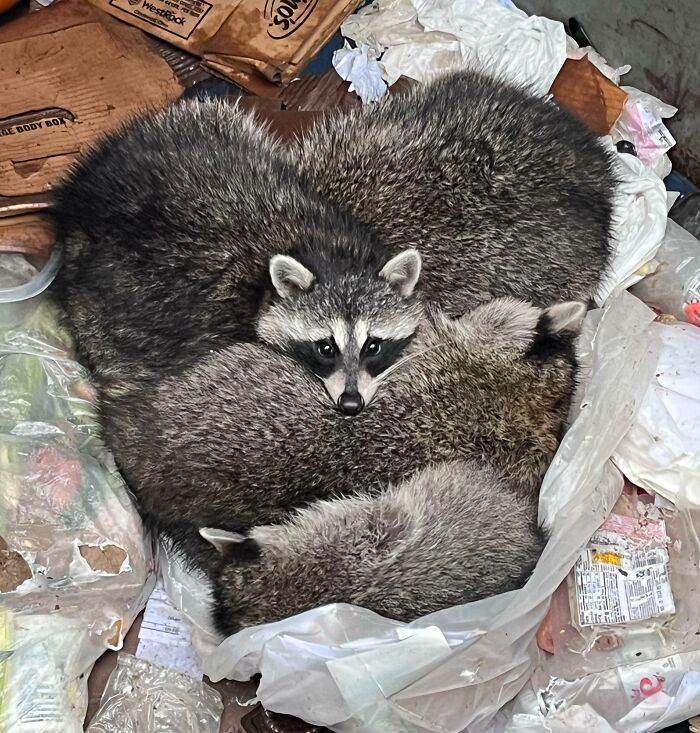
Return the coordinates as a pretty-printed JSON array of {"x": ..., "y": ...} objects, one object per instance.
[
  {"x": 246, "y": 435},
  {"x": 450, "y": 534}
]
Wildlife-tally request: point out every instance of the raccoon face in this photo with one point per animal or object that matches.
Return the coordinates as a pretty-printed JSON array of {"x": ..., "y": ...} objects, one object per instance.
[{"x": 347, "y": 330}]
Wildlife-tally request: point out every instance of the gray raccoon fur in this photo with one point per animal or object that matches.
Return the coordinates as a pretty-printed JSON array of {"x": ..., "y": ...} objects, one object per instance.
[
  {"x": 502, "y": 192},
  {"x": 168, "y": 224},
  {"x": 451, "y": 534},
  {"x": 246, "y": 435}
]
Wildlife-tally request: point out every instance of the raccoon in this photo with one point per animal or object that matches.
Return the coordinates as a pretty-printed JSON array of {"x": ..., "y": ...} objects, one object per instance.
[
  {"x": 168, "y": 226},
  {"x": 450, "y": 534},
  {"x": 502, "y": 192},
  {"x": 246, "y": 434},
  {"x": 174, "y": 227}
]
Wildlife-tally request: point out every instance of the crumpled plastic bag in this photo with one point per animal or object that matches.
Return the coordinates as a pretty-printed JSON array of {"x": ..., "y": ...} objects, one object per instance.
[
  {"x": 635, "y": 698},
  {"x": 75, "y": 567},
  {"x": 641, "y": 122},
  {"x": 350, "y": 669},
  {"x": 419, "y": 38},
  {"x": 661, "y": 451},
  {"x": 141, "y": 697},
  {"x": 673, "y": 287},
  {"x": 639, "y": 225}
]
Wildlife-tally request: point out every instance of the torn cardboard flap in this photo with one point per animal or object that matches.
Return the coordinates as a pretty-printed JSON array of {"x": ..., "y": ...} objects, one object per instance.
[
  {"x": 14, "y": 570},
  {"x": 104, "y": 559},
  {"x": 273, "y": 38},
  {"x": 589, "y": 94},
  {"x": 63, "y": 88}
]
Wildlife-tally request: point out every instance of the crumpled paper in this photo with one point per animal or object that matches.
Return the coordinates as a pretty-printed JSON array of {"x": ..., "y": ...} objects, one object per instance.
[
  {"x": 350, "y": 669},
  {"x": 363, "y": 73},
  {"x": 419, "y": 38}
]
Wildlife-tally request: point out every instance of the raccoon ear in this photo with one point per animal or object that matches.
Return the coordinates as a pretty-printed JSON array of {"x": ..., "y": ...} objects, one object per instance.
[
  {"x": 221, "y": 538},
  {"x": 565, "y": 317},
  {"x": 289, "y": 276},
  {"x": 403, "y": 271}
]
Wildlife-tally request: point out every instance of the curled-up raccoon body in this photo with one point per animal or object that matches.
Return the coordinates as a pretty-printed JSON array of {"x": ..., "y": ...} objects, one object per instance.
[
  {"x": 450, "y": 534},
  {"x": 247, "y": 435}
]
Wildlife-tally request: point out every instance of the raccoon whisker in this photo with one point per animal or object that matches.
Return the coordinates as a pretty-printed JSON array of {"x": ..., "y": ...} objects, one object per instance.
[{"x": 385, "y": 374}]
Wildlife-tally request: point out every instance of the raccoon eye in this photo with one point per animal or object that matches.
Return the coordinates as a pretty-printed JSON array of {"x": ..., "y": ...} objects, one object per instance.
[
  {"x": 373, "y": 347},
  {"x": 325, "y": 349}
]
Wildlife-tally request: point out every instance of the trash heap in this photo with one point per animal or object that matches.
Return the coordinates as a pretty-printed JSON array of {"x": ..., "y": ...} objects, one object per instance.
[{"x": 605, "y": 635}]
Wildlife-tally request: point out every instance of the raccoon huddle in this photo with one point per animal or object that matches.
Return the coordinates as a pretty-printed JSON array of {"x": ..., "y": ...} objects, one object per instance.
[{"x": 325, "y": 328}]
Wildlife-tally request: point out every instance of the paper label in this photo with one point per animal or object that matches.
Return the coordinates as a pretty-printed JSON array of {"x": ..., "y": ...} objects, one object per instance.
[
  {"x": 165, "y": 637},
  {"x": 620, "y": 578},
  {"x": 179, "y": 17}
]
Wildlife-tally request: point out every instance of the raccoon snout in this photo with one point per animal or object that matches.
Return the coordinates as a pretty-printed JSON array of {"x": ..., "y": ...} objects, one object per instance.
[{"x": 351, "y": 403}]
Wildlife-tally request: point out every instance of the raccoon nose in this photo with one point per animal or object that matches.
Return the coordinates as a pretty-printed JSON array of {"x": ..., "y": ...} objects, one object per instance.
[{"x": 351, "y": 403}]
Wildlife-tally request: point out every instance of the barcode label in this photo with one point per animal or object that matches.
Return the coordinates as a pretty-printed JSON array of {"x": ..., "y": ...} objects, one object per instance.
[{"x": 616, "y": 583}]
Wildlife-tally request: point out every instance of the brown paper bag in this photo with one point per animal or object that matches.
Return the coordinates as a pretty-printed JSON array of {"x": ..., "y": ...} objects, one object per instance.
[{"x": 247, "y": 41}]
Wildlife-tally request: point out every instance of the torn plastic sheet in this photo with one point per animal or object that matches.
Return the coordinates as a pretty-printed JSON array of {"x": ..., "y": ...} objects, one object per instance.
[
  {"x": 419, "y": 38},
  {"x": 350, "y": 669}
]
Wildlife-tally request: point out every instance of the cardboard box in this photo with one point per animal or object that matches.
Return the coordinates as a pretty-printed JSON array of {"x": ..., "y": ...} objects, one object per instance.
[
  {"x": 251, "y": 42},
  {"x": 67, "y": 75}
]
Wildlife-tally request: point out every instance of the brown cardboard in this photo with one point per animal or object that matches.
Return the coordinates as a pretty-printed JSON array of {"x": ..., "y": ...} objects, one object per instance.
[
  {"x": 68, "y": 74},
  {"x": 589, "y": 94},
  {"x": 242, "y": 40},
  {"x": 30, "y": 234}
]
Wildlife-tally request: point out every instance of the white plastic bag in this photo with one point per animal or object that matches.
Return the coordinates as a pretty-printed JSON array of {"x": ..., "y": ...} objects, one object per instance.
[
  {"x": 661, "y": 451},
  {"x": 674, "y": 285},
  {"x": 639, "y": 224}
]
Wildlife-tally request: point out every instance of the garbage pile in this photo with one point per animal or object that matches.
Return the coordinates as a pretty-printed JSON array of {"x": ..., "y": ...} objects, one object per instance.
[{"x": 605, "y": 634}]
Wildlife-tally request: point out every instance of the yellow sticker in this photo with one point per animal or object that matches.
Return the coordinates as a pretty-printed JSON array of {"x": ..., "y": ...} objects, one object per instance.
[{"x": 607, "y": 558}]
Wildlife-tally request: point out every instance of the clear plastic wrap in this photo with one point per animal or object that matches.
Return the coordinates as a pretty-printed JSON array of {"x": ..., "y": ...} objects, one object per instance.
[
  {"x": 141, "y": 697},
  {"x": 351, "y": 670},
  {"x": 74, "y": 564},
  {"x": 674, "y": 286}
]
